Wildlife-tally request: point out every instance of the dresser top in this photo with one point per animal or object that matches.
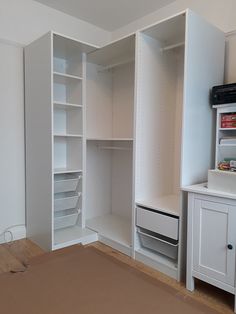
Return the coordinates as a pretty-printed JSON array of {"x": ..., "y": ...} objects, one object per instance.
[{"x": 203, "y": 189}]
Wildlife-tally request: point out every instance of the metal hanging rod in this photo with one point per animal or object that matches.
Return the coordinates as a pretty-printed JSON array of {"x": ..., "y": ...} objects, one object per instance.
[
  {"x": 114, "y": 65},
  {"x": 114, "y": 147},
  {"x": 172, "y": 46}
]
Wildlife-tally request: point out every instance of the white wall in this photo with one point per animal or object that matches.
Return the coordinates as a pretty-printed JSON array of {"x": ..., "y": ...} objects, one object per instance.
[
  {"x": 12, "y": 164},
  {"x": 21, "y": 22},
  {"x": 218, "y": 12}
]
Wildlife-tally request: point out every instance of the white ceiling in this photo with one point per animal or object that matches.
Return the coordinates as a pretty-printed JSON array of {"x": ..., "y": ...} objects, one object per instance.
[{"x": 107, "y": 14}]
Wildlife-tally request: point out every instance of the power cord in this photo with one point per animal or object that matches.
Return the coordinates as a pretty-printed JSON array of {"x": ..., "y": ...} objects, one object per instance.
[{"x": 8, "y": 231}]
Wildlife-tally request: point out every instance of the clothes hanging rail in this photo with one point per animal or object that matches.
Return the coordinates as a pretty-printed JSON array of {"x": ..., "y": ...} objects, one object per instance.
[
  {"x": 172, "y": 46},
  {"x": 114, "y": 147},
  {"x": 114, "y": 65}
]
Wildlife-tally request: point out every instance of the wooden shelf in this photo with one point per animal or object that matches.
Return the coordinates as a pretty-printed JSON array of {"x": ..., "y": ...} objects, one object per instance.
[
  {"x": 169, "y": 204},
  {"x": 73, "y": 235},
  {"x": 109, "y": 139},
  {"x": 67, "y": 76},
  {"x": 68, "y": 135},
  {"x": 113, "y": 227},
  {"x": 66, "y": 170}
]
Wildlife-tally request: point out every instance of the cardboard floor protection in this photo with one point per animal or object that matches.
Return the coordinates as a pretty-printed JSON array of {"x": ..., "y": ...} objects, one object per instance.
[{"x": 80, "y": 280}]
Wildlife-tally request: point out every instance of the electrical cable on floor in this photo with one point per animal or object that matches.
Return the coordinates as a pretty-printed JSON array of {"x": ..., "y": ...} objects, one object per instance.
[{"x": 7, "y": 230}]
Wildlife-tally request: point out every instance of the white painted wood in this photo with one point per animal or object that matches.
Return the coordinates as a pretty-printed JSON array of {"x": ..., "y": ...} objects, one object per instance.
[
  {"x": 113, "y": 227},
  {"x": 169, "y": 204},
  {"x": 214, "y": 282},
  {"x": 115, "y": 52},
  {"x": 201, "y": 73},
  {"x": 68, "y": 120},
  {"x": 110, "y": 116},
  {"x": 203, "y": 189},
  {"x": 190, "y": 280},
  {"x": 62, "y": 141},
  {"x": 159, "y": 223},
  {"x": 84, "y": 148},
  {"x": 158, "y": 262},
  {"x": 98, "y": 103},
  {"x": 155, "y": 137},
  {"x": 223, "y": 181},
  {"x": 169, "y": 114},
  {"x": 213, "y": 230},
  {"x": 39, "y": 160},
  {"x": 70, "y": 236},
  {"x": 123, "y": 101}
]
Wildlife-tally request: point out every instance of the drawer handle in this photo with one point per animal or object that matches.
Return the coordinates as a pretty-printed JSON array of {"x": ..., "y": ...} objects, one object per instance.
[
  {"x": 230, "y": 247},
  {"x": 156, "y": 238}
]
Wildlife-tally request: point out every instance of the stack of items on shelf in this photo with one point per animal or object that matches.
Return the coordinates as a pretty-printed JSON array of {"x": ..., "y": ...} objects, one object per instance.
[
  {"x": 227, "y": 165},
  {"x": 228, "y": 120}
]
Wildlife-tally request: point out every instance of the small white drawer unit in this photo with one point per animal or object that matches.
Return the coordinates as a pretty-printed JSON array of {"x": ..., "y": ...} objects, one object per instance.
[
  {"x": 211, "y": 237},
  {"x": 158, "y": 239}
]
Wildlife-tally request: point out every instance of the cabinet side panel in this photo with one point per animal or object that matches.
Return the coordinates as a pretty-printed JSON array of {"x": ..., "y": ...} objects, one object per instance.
[
  {"x": 155, "y": 120},
  {"x": 204, "y": 68},
  {"x": 38, "y": 115}
]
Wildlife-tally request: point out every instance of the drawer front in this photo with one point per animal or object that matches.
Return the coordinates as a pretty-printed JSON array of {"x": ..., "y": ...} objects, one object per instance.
[{"x": 159, "y": 223}]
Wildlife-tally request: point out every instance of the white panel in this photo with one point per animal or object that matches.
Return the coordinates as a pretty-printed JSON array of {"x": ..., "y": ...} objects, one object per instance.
[
  {"x": 39, "y": 141},
  {"x": 213, "y": 230},
  {"x": 98, "y": 103},
  {"x": 204, "y": 68},
  {"x": 159, "y": 223},
  {"x": 122, "y": 181},
  {"x": 157, "y": 121},
  {"x": 98, "y": 180},
  {"x": 12, "y": 162},
  {"x": 123, "y": 101}
]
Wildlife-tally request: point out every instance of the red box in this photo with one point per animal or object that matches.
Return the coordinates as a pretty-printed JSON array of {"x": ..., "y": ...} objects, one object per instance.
[
  {"x": 228, "y": 117},
  {"x": 228, "y": 124}
]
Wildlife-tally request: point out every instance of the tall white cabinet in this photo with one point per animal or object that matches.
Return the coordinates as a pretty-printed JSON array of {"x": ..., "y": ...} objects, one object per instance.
[
  {"x": 110, "y": 125},
  {"x": 113, "y": 133},
  {"x": 55, "y": 97},
  {"x": 174, "y": 131}
]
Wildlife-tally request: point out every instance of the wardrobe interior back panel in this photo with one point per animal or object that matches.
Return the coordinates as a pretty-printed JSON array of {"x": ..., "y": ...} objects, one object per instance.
[{"x": 159, "y": 110}]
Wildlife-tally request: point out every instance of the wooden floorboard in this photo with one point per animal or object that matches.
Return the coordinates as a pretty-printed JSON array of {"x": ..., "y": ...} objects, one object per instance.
[{"x": 16, "y": 255}]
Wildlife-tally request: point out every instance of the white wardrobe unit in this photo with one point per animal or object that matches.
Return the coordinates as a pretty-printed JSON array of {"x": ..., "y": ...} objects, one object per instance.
[
  {"x": 178, "y": 61},
  {"x": 110, "y": 119},
  {"x": 55, "y": 141}
]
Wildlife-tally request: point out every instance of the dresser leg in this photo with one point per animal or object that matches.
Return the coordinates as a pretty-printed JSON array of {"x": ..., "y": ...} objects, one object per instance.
[
  {"x": 234, "y": 303},
  {"x": 190, "y": 285}
]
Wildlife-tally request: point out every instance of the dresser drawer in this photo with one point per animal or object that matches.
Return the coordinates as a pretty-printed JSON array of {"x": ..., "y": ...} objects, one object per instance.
[{"x": 157, "y": 222}]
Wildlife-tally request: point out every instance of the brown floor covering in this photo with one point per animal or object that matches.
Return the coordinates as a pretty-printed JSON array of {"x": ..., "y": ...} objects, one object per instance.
[
  {"x": 17, "y": 254},
  {"x": 87, "y": 281}
]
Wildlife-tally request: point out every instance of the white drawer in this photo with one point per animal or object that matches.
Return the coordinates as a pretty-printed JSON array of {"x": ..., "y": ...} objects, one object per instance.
[{"x": 159, "y": 223}]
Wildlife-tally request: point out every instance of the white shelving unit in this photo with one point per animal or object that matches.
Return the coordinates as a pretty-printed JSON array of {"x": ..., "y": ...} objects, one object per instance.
[
  {"x": 174, "y": 126},
  {"x": 110, "y": 118},
  {"x": 56, "y": 141},
  {"x": 117, "y": 131},
  {"x": 224, "y": 150}
]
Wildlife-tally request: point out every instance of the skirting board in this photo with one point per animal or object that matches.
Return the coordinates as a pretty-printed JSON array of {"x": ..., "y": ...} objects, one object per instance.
[
  {"x": 15, "y": 233},
  {"x": 169, "y": 271}
]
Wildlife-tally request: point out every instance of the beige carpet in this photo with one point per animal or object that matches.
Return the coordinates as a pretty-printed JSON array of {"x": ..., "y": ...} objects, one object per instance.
[{"x": 80, "y": 280}]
